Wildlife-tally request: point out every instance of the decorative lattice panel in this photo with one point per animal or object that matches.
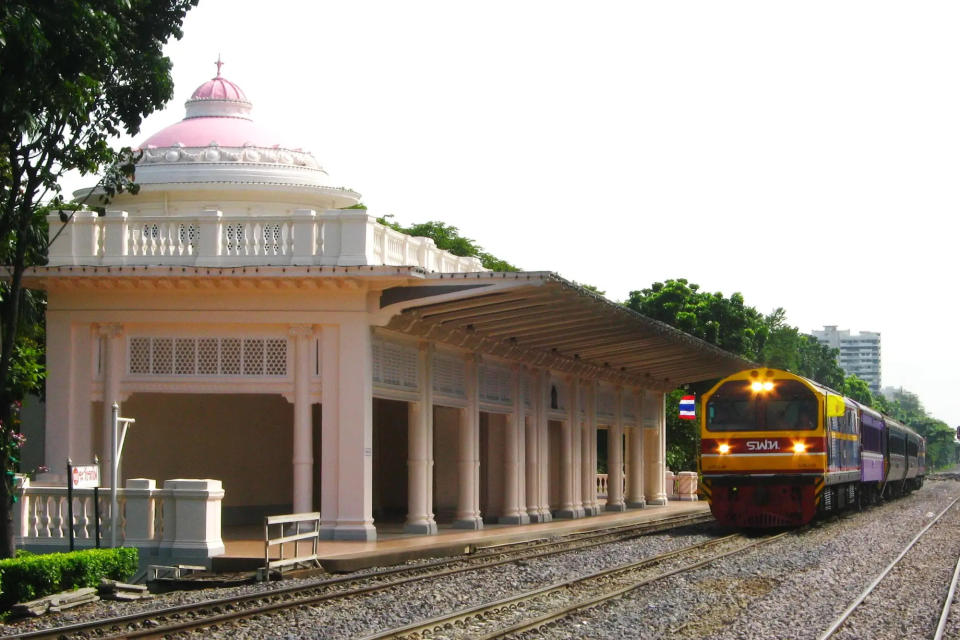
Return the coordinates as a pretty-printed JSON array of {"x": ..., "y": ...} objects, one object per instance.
[
  {"x": 449, "y": 376},
  {"x": 395, "y": 365},
  {"x": 186, "y": 356},
  {"x": 495, "y": 385}
]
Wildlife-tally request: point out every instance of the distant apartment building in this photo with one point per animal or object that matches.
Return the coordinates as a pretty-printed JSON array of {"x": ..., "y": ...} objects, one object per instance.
[{"x": 859, "y": 353}]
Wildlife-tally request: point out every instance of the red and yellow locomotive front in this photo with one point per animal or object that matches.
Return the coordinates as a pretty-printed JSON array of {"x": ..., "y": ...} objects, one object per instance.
[{"x": 762, "y": 449}]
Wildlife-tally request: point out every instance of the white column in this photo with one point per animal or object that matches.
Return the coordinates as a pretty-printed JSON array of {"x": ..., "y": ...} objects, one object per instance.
[
  {"x": 419, "y": 453},
  {"x": 635, "y": 495},
  {"x": 543, "y": 444},
  {"x": 589, "y": 470},
  {"x": 302, "y": 420},
  {"x": 532, "y": 464},
  {"x": 468, "y": 461},
  {"x": 576, "y": 428},
  {"x": 513, "y": 513},
  {"x": 567, "y": 509},
  {"x": 615, "y": 458},
  {"x": 352, "y": 418},
  {"x": 112, "y": 372},
  {"x": 329, "y": 430},
  {"x": 656, "y": 450}
]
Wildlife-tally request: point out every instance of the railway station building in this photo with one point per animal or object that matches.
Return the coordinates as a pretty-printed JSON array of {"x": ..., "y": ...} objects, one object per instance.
[{"x": 266, "y": 332}]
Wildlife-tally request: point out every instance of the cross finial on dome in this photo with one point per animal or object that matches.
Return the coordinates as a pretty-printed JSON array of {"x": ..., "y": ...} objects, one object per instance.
[{"x": 219, "y": 64}]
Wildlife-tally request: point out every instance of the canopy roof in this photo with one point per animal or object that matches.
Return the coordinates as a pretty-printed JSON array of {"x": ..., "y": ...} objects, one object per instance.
[{"x": 556, "y": 323}]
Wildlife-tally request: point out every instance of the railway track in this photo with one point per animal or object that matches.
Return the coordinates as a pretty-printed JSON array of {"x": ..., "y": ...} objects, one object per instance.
[
  {"x": 849, "y": 612},
  {"x": 540, "y": 607},
  {"x": 182, "y": 618}
]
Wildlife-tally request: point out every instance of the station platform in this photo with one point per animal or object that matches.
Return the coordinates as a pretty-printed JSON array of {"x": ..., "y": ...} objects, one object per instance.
[{"x": 244, "y": 546}]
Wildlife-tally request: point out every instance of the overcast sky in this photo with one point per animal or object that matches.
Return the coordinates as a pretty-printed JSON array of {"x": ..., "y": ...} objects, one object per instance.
[{"x": 804, "y": 154}]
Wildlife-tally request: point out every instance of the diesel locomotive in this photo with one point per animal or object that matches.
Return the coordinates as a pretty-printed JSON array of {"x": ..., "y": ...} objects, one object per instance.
[{"x": 776, "y": 449}]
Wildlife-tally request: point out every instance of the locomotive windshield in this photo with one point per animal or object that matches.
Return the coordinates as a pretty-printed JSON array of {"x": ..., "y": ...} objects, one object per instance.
[{"x": 790, "y": 405}]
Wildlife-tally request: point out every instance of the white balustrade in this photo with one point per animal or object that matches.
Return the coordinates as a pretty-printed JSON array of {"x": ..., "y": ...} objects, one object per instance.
[
  {"x": 41, "y": 517},
  {"x": 212, "y": 238}
]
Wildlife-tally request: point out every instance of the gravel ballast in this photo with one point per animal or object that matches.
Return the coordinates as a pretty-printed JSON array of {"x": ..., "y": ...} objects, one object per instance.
[{"x": 791, "y": 588}]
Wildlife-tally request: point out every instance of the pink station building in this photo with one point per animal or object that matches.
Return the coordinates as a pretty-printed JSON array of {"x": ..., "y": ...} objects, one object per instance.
[{"x": 275, "y": 341}]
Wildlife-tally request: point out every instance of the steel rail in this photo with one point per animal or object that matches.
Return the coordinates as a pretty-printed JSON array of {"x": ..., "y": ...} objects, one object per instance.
[
  {"x": 444, "y": 622},
  {"x": 842, "y": 618},
  {"x": 475, "y": 562},
  {"x": 947, "y": 604}
]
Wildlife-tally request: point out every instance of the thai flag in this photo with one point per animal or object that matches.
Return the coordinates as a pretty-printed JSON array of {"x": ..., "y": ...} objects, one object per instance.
[{"x": 688, "y": 408}]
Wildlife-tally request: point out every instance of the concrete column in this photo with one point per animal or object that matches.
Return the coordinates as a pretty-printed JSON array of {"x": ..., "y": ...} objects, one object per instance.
[
  {"x": 576, "y": 429},
  {"x": 533, "y": 467},
  {"x": 348, "y": 379},
  {"x": 330, "y": 430},
  {"x": 656, "y": 450},
  {"x": 520, "y": 426},
  {"x": 543, "y": 444},
  {"x": 420, "y": 454},
  {"x": 468, "y": 461},
  {"x": 589, "y": 468},
  {"x": 302, "y": 420},
  {"x": 635, "y": 495},
  {"x": 112, "y": 335},
  {"x": 615, "y": 458}
]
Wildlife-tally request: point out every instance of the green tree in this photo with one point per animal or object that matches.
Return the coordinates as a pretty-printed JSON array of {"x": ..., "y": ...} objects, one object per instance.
[
  {"x": 857, "y": 389},
  {"x": 76, "y": 73},
  {"x": 726, "y": 322}
]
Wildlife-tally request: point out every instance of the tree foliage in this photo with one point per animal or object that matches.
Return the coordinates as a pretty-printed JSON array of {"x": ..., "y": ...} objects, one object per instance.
[
  {"x": 76, "y": 73},
  {"x": 731, "y": 324}
]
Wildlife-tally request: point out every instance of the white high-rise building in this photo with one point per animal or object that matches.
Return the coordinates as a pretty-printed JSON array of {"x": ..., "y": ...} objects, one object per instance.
[{"x": 859, "y": 352}]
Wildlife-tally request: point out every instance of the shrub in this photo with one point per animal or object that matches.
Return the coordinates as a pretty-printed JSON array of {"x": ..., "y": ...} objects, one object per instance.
[{"x": 33, "y": 576}]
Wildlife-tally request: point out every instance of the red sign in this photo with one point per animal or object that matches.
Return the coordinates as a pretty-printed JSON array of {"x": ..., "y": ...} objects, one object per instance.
[{"x": 85, "y": 476}]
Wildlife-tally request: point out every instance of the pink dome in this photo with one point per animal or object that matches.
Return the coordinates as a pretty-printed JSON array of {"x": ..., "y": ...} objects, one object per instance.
[
  {"x": 219, "y": 89},
  {"x": 200, "y": 132},
  {"x": 217, "y": 112}
]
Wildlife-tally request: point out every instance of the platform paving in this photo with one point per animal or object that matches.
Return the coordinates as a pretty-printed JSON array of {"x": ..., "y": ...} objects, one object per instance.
[{"x": 244, "y": 545}]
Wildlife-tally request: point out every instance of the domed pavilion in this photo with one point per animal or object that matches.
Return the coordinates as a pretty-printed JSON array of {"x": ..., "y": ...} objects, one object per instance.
[{"x": 265, "y": 331}]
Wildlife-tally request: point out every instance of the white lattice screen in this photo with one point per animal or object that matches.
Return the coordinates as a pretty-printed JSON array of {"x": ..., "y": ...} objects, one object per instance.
[
  {"x": 395, "y": 365},
  {"x": 496, "y": 385},
  {"x": 449, "y": 376},
  {"x": 207, "y": 356}
]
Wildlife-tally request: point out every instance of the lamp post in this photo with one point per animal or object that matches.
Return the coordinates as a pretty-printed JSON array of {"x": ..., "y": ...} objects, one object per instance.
[{"x": 116, "y": 445}]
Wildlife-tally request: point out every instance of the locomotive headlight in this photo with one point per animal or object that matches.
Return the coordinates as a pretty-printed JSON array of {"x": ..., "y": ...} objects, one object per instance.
[
  {"x": 799, "y": 447},
  {"x": 768, "y": 386},
  {"x": 758, "y": 386},
  {"x": 724, "y": 448}
]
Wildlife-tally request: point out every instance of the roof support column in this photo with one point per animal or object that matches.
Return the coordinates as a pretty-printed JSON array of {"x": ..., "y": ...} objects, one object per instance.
[
  {"x": 468, "y": 463},
  {"x": 588, "y": 446},
  {"x": 513, "y": 511},
  {"x": 420, "y": 451},
  {"x": 347, "y": 432},
  {"x": 656, "y": 450},
  {"x": 567, "y": 509},
  {"x": 112, "y": 335},
  {"x": 543, "y": 445},
  {"x": 615, "y": 458},
  {"x": 532, "y": 459},
  {"x": 302, "y": 420},
  {"x": 635, "y": 494}
]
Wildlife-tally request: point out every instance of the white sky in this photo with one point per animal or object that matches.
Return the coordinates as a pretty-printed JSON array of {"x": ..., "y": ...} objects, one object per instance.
[{"x": 804, "y": 154}]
